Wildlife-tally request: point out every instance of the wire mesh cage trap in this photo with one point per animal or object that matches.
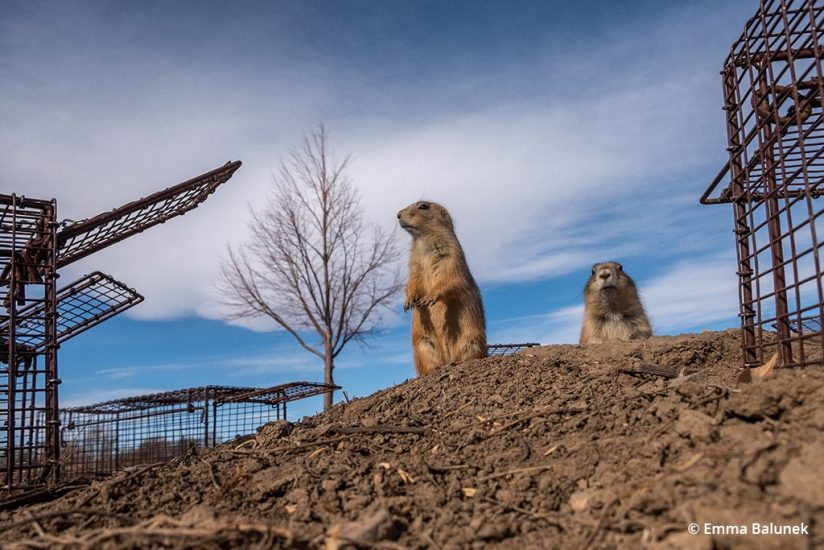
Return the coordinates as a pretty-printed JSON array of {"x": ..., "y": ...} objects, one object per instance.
[
  {"x": 773, "y": 89},
  {"x": 99, "y": 439},
  {"x": 36, "y": 316}
]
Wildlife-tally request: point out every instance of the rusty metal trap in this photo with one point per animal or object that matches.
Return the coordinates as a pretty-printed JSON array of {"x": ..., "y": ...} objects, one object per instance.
[
  {"x": 773, "y": 88},
  {"x": 36, "y": 316},
  {"x": 99, "y": 439}
]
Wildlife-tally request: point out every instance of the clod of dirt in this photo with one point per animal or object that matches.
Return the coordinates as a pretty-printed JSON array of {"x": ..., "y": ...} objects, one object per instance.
[
  {"x": 362, "y": 532},
  {"x": 559, "y": 446},
  {"x": 801, "y": 478},
  {"x": 694, "y": 425}
]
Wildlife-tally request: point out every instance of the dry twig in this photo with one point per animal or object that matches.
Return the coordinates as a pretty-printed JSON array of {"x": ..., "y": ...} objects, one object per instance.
[
  {"x": 534, "y": 515},
  {"x": 381, "y": 429},
  {"x": 58, "y": 513}
]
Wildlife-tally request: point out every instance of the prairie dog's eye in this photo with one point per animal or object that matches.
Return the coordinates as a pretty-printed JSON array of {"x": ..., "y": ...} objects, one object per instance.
[
  {"x": 593, "y": 270},
  {"x": 620, "y": 267},
  {"x": 423, "y": 206}
]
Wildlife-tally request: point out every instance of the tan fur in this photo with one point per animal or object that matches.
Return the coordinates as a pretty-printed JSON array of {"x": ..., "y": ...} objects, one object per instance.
[
  {"x": 612, "y": 308},
  {"x": 448, "y": 323}
]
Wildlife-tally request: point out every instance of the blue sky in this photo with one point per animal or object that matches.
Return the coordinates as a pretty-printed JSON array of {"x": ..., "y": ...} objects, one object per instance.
[{"x": 558, "y": 134}]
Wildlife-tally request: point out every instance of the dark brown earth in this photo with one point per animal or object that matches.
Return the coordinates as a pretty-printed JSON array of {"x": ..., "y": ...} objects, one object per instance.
[{"x": 557, "y": 447}]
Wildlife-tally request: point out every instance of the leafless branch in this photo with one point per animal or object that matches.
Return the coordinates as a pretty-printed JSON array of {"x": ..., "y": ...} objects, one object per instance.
[{"x": 312, "y": 264}]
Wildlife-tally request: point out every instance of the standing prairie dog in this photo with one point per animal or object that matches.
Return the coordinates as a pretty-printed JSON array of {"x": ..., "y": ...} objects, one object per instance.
[
  {"x": 448, "y": 323},
  {"x": 612, "y": 308}
]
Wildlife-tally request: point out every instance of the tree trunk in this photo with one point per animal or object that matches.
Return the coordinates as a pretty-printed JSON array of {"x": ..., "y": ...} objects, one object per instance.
[{"x": 328, "y": 366}]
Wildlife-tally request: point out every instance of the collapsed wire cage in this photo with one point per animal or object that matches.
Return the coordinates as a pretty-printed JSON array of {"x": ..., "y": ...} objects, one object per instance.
[
  {"x": 773, "y": 88},
  {"x": 37, "y": 327},
  {"x": 102, "y": 438}
]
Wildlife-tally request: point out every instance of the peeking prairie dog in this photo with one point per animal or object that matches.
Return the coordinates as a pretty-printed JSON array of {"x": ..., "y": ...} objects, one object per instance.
[
  {"x": 612, "y": 308},
  {"x": 448, "y": 323}
]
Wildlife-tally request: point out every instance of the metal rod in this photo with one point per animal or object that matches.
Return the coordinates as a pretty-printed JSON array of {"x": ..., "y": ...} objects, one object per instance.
[
  {"x": 52, "y": 379},
  {"x": 88, "y": 236}
]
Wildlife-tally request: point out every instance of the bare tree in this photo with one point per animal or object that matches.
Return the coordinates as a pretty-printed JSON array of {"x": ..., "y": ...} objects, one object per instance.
[{"x": 311, "y": 263}]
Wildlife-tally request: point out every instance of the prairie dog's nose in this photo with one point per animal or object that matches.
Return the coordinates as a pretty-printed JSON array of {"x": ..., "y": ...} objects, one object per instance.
[{"x": 604, "y": 274}]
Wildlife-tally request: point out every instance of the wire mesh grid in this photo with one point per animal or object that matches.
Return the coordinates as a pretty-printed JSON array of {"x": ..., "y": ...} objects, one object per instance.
[
  {"x": 507, "y": 349},
  {"x": 236, "y": 419},
  {"x": 28, "y": 376},
  {"x": 88, "y": 236},
  {"x": 99, "y": 439},
  {"x": 773, "y": 90},
  {"x": 81, "y": 305},
  {"x": 95, "y": 445}
]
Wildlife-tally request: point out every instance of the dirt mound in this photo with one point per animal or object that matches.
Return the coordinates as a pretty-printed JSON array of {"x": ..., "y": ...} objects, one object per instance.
[{"x": 559, "y": 446}]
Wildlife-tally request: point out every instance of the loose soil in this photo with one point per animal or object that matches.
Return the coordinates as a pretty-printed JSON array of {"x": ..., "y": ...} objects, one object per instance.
[{"x": 555, "y": 447}]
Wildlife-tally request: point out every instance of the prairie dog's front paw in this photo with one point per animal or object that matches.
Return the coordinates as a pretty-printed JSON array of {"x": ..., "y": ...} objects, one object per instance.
[
  {"x": 419, "y": 301},
  {"x": 425, "y": 301}
]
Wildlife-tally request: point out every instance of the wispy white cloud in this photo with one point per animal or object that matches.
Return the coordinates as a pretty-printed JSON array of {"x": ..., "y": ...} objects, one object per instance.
[
  {"x": 118, "y": 373},
  {"x": 93, "y": 396},
  {"x": 389, "y": 352},
  {"x": 539, "y": 189},
  {"x": 274, "y": 363},
  {"x": 560, "y": 326},
  {"x": 692, "y": 294},
  {"x": 233, "y": 366}
]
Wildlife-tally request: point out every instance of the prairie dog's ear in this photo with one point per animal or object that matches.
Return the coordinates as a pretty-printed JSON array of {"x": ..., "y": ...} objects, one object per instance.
[{"x": 445, "y": 215}]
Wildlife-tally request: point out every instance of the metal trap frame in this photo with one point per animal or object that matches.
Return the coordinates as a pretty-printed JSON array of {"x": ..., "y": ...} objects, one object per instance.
[
  {"x": 102, "y": 438},
  {"x": 29, "y": 437},
  {"x": 35, "y": 318},
  {"x": 773, "y": 88}
]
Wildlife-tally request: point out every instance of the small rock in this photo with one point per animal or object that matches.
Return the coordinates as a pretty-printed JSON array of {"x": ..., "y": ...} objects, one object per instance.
[
  {"x": 817, "y": 419},
  {"x": 756, "y": 406},
  {"x": 801, "y": 478},
  {"x": 366, "y": 529},
  {"x": 694, "y": 424},
  {"x": 494, "y": 531},
  {"x": 579, "y": 501}
]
